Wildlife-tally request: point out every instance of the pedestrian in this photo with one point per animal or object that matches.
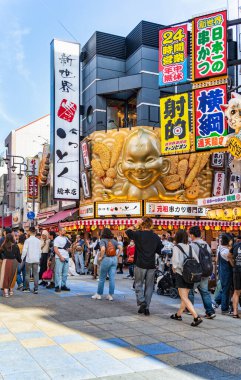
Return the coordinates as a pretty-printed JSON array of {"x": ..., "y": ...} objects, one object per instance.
[
  {"x": 202, "y": 248},
  {"x": 108, "y": 263},
  {"x": 96, "y": 252},
  {"x": 225, "y": 273},
  {"x": 235, "y": 261},
  {"x": 78, "y": 252},
  {"x": 31, "y": 254},
  {"x": 130, "y": 258},
  {"x": 120, "y": 254},
  {"x": 21, "y": 266},
  {"x": 11, "y": 257},
  {"x": 52, "y": 236},
  {"x": 61, "y": 247},
  {"x": 44, "y": 255},
  {"x": 147, "y": 244},
  {"x": 181, "y": 251}
]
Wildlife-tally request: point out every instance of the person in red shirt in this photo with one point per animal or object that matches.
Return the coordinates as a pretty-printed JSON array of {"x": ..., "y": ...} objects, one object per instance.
[{"x": 130, "y": 258}]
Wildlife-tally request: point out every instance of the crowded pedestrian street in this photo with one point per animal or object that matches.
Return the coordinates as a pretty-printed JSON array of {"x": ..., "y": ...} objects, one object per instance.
[{"x": 71, "y": 336}]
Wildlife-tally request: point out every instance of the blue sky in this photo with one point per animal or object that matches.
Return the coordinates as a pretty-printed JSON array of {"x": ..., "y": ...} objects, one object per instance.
[{"x": 28, "y": 26}]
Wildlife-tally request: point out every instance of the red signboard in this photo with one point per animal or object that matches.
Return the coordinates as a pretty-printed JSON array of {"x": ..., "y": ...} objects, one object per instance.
[
  {"x": 32, "y": 187},
  {"x": 210, "y": 45},
  {"x": 173, "y": 55},
  {"x": 211, "y": 127}
]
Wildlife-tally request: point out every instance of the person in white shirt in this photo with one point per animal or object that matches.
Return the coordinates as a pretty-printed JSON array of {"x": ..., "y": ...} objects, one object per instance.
[
  {"x": 61, "y": 261},
  {"x": 31, "y": 254}
]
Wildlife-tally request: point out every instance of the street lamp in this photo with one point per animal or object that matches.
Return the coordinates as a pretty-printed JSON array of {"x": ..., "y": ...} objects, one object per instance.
[{"x": 23, "y": 169}]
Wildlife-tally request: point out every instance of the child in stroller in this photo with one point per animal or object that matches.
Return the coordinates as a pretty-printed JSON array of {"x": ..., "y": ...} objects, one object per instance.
[{"x": 164, "y": 276}]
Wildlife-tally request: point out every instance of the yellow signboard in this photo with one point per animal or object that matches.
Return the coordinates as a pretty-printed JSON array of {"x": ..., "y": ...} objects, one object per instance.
[
  {"x": 234, "y": 147},
  {"x": 175, "y": 128}
]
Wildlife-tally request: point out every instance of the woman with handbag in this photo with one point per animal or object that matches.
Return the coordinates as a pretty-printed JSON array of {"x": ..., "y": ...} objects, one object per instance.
[{"x": 11, "y": 258}]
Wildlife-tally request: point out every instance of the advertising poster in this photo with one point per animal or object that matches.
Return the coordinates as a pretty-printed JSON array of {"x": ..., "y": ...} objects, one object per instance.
[
  {"x": 210, "y": 45},
  {"x": 65, "y": 123},
  {"x": 172, "y": 209},
  {"x": 175, "y": 128},
  {"x": 173, "y": 55},
  {"x": 218, "y": 160},
  {"x": 119, "y": 209},
  {"x": 211, "y": 127}
]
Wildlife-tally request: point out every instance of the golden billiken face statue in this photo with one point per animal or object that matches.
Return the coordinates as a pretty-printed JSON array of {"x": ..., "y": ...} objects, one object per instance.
[{"x": 141, "y": 163}]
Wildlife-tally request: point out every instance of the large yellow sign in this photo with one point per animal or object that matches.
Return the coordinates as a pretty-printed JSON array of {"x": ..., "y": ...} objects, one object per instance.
[
  {"x": 175, "y": 129},
  {"x": 234, "y": 147}
]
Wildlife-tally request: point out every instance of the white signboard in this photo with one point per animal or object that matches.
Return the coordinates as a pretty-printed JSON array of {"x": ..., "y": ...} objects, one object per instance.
[
  {"x": 85, "y": 184},
  {"x": 65, "y": 120},
  {"x": 119, "y": 209},
  {"x": 33, "y": 166},
  {"x": 87, "y": 211},
  {"x": 234, "y": 184},
  {"x": 219, "y": 200},
  {"x": 179, "y": 209}
]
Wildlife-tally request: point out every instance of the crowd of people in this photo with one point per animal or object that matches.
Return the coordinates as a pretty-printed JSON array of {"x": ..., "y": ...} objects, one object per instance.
[{"x": 47, "y": 258}]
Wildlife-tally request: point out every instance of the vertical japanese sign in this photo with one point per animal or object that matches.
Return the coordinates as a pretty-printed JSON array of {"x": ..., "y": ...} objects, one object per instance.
[
  {"x": 175, "y": 130},
  {"x": 32, "y": 179},
  {"x": 65, "y": 121},
  {"x": 218, "y": 184},
  {"x": 211, "y": 126},
  {"x": 85, "y": 151},
  {"x": 210, "y": 45},
  {"x": 173, "y": 55}
]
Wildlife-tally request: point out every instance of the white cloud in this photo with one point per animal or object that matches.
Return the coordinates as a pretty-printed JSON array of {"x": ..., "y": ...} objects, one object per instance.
[{"x": 4, "y": 116}]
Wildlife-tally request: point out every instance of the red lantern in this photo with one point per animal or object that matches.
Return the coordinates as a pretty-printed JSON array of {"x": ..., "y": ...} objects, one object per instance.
[
  {"x": 223, "y": 228},
  {"x": 87, "y": 228},
  {"x": 175, "y": 227},
  {"x": 235, "y": 228}
]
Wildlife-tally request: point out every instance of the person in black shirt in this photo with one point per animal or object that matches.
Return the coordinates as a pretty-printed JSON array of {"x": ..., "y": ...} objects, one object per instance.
[
  {"x": 147, "y": 244},
  {"x": 235, "y": 260}
]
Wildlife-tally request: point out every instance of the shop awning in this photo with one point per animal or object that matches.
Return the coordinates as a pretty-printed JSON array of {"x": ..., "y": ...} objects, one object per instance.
[
  {"x": 43, "y": 216},
  {"x": 157, "y": 222},
  {"x": 58, "y": 217},
  {"x": 7, "y": 221}
]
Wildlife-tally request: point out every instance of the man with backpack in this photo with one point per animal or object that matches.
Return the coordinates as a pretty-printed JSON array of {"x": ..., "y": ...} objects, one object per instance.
[{"x": 204, "y": 254}]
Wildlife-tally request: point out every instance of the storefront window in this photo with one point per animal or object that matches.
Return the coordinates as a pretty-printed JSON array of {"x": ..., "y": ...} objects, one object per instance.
[{"x": 121, "y": 113}]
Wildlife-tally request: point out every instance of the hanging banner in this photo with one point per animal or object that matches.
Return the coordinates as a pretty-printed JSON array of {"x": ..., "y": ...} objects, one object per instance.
[
  {"x": 218, "y": 160},
  {"x": 175, "y": 129},
  {"x": 219, "y": 200},
  {"x": 173, "y": 55},
  {"x": 210, "y": 45},
  {"x": 65, "y": 121},
  {"x": 32, "y": 187},
  {"x": 85, "y": 182},
  {"x": 85, "y": 152},
  {"x": 234, "y": 183},
  {"x": 211, "y": 127},
  {"x": 218, "y": 184}
]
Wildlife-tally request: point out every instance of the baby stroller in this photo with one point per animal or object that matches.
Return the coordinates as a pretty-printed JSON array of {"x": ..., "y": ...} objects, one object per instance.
[{"x": 165, "y": 282}]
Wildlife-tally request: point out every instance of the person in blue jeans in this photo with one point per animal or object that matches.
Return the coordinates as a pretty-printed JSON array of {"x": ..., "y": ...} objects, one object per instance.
[
  {"x": 202, "y": 286},
  {"x": 225, "y": 273},
  {"x": 61, "y": 244},
  {"x": 21, "y": 266},
  {"x": 108, "y": 264}
]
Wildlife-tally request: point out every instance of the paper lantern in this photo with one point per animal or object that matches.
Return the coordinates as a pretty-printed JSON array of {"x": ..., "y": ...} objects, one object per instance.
[
  {"x": 101, "y": 227},
  {"x": 93, "y": 228},
  {"x": 182, "y": 227},
  {"x": 228, "y": 214},
  {"x": 212, "y": 228},
  {"x": 159, "y": 228},
  {"x": 223, "y": 228},
  {"x": 81, "y": 227},
  {"x": 170, "y": 227},
  {"x": 219, "y": 214},
  {"x": 217, "y": 228},
  {"x": 211, "y": 214},
  {"x": 237, "y": 212},
  {"x": 164, "y": 227},
  {"x": 235, "y": 228},
  {"x": 175, "y": 227},
  {"x": 207, "y": 228}
]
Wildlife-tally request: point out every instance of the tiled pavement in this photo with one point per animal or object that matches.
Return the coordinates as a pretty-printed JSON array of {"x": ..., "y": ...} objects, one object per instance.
[{"x": 70, "y": 336}]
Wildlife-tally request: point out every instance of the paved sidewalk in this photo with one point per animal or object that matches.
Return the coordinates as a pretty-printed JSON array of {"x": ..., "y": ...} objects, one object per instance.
[{"x": 71, "y": 336}]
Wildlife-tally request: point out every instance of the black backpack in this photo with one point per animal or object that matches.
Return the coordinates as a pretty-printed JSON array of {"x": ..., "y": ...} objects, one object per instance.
[
  {"x": 192, "y": 270},
  {"x": 205, "y": 259}
]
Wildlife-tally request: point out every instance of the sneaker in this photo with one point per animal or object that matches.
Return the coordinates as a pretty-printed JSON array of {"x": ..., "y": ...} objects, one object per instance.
[
  {"x": 35, "y": 291},
  {"x": 43, "y": 283},
  {"x": 20, "y": 287},
  {"x": 109, "y": 297},
  {"x": 210, "y": 315},
  {"x": 96, "y": 296},
  {"x": 225, "y": 312},
  {"x": 57, "y": 289},
  {"x": 142, "y": 308},
  {"x": 64, "y": 288},
  {"x": 215, "y": 305},
  {"x": 147, "y": 312},
  {"x": 26, "y": 290},
  {"x": 120, "y": 272},
  {"x": 50, "y": 286}
]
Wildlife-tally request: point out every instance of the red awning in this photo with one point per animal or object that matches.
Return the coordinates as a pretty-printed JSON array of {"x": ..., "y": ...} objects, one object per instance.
[
  {"x": 7, "y": 221},
  {"x": 58, "y": 217}
]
